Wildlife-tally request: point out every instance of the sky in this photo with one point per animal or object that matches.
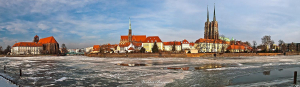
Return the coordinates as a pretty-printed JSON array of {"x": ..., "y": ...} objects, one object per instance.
[{"x": 84, "y": 23}]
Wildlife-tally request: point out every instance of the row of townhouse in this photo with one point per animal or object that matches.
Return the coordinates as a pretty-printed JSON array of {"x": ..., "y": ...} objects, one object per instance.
[
  {"x": 147, "y": 43},
  {"x": 200, "y": 45}
]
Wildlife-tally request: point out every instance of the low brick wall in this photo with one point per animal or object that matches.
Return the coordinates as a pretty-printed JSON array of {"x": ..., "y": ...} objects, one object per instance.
[
  {"x": 292, "y": 53},
  {"x": 182, "y": 55}
]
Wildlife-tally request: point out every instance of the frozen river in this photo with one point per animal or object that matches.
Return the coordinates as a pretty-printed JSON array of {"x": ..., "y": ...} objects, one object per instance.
[{"x": 169, "y": 72}]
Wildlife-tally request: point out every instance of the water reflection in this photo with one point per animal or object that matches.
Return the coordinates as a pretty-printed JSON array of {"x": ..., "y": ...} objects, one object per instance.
[
  {"x": 266, "y": 72},
  {"x": 266, "y": 76}
]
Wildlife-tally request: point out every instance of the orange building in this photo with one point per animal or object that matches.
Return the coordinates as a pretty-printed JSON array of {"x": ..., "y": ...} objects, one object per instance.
[{"x": 46, "y": 45}]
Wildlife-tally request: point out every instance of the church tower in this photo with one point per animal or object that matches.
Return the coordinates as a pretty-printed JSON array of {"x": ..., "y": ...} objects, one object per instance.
[
  {"x": 36, "y": 39},
  {"x": 211, "y": 30},
  {"x": 130, "y": 32},
  {"x": 214, "y": 26},
  {"x": 207, "y": 26}
]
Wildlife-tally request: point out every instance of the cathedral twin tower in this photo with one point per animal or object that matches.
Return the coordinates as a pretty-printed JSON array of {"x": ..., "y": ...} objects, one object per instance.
[{"x": 211, "y": 28}]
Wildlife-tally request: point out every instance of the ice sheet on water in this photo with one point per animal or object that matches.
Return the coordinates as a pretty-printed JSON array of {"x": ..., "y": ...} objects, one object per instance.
[
  {"x": 5, "y": 83},
  {"x": 266, "y": 83},
  {"x": 75, "y": 70},
  {"x": 61, "y": 79}
]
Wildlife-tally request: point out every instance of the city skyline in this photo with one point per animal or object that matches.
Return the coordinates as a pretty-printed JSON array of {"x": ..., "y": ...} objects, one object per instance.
[{"x": 81, "y": 24}]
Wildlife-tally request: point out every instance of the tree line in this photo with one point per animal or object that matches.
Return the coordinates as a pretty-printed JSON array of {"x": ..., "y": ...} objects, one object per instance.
[{"x": 5, "y": 51}]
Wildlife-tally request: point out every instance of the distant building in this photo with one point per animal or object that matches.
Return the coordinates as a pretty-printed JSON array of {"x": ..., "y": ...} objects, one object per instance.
[
  {"x": 96, "y": 49},
  {"x": 88, "y": 49},
  {"x": 211, "y": 28},
  {"x": 293, "y": 46},
  {"x": 210, "y": 45},
  {"x": 149, "y": 42},
  {"x": 131, "y": 38},
  {"x": 168, "y": 46},
  {"x": 185, "y": 44},
  {"x": 46, "y": 45}
]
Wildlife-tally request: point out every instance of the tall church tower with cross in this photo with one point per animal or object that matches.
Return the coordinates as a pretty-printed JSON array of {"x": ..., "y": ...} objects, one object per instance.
[{"x": 129, "y": 32}]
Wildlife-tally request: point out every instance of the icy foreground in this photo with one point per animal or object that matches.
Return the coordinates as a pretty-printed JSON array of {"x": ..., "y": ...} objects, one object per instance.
[{"x": 183, "y": 72}]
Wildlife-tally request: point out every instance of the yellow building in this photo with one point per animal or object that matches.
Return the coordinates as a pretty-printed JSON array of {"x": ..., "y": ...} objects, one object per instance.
[
  {"x": 149, "y": 42},
  {"x": 211, "y": 45}
]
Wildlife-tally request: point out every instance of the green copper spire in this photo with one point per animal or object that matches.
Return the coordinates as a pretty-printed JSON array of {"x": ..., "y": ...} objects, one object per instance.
[
  {"x": 207, "y": 14},
  {"x": 214, "y": 12},
  {"x": 129, "y": 24}
]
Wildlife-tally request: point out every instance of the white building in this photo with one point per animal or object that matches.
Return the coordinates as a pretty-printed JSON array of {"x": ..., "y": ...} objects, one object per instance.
[
  {"x": 26, "y": 48},
  {"x": 168, "y": 46},
  {"x": 185, "y": 44},
  {"x": 88, "y": 49}
]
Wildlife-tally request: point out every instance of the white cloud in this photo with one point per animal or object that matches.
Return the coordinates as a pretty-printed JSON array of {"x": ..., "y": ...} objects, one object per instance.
[
  {"x": 7, "y": 41},
  {"x": 55, "y": 30},
  {"x": 42, "y": 26}
]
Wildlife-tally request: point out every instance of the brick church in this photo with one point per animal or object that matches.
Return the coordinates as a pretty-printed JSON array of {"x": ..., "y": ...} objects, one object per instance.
[
  {"x": 211, "y": 28},
  {"x": 46, "y": 45},
  {"x": 125, "y": 39}
]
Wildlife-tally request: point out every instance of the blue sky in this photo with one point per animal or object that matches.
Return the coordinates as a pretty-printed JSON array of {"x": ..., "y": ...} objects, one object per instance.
[{"x": 84, "y": 23}]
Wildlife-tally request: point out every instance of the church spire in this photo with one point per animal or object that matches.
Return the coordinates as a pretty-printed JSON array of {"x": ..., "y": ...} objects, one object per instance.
[
  {"x": 214, "y": 12},
  {"x": 207, "y": 14},
  {"x": 129, "y": 24}
]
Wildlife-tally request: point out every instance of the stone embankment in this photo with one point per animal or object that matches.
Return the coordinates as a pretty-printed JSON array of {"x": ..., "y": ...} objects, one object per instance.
[{"x": 182, "y": 55}]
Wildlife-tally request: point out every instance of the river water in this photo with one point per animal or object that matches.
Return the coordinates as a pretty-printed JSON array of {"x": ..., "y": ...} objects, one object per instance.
[{"x": 148, "y": 72}]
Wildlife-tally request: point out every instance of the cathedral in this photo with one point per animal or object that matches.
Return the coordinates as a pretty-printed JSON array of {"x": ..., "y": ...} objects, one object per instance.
[
  {"x": 211, "y": 28},
  {"x": 131, "y": 38}
]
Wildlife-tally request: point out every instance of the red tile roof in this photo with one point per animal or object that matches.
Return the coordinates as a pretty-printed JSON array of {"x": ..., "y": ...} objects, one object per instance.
[
  {"x": 27, "y": 44},
  {"x": 201, "y": 40},
  {"x": 136, "y": 38},
  {"x": 172, "y": 43},
  {"x": 124, "y": 45},
  {"x": 192, "y": 44},
  {"x": 235, "y": 47},
  {"x": 36, "y": 36},
  {"x": 152, "y": 39},
  {"x": 130, "y": 48},
  {"x": 47, "y": 40},
  {"x": 137, "y": 44},
  {"x": 96, "y": 47},
  {"x": 185, "y": 41}
]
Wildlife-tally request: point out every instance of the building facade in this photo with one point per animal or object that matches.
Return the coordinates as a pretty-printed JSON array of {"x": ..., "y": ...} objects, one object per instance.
[
  {"x": 46, "y": 45},
  {"x": 149, "y": 42},
  {"x": 168, "y": 46},
  {"x": 211, "y": 45}
]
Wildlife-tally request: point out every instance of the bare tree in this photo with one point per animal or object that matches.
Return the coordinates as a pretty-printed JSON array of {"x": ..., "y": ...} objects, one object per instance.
[
  {"x": 173, "y": 47},
  {"x": 271, "y": 45},
  {"x": 254, "y": 46},
  {"x": 0, "y": 50},
  {"x": 280, "y": 43},
  {"x": 266, "y": 41},
  {"x": 292, "y": 47},
  {"x": 64, "y": 49},
  {"x": 283, "y": 48}
]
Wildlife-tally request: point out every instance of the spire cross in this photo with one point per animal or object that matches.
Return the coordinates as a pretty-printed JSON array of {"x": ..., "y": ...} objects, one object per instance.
[
  {"x": 129, "y": 24},
  {"x": 214, "y": 12}
]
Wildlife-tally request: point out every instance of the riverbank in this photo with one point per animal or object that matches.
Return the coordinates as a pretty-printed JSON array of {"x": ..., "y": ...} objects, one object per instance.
[
  {"x": 26, "y": 55},
  {"x": 182, "y": 55}
]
